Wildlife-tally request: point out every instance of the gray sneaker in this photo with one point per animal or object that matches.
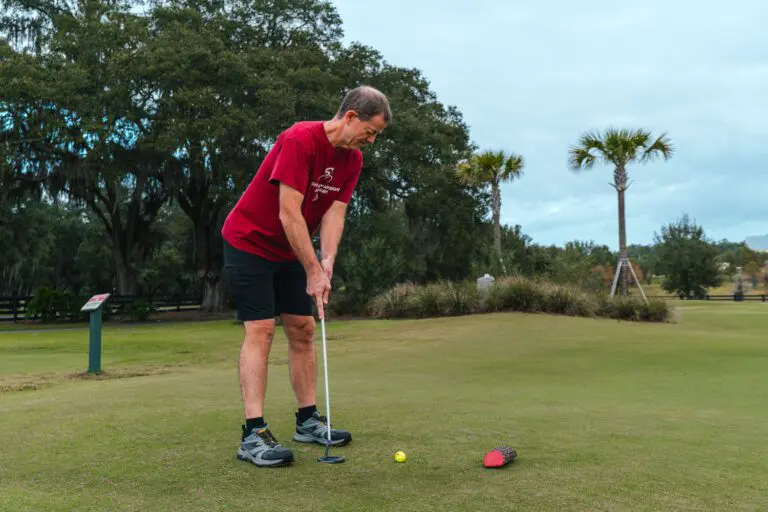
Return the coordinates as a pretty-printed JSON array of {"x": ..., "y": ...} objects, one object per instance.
[
  {"x": 261, "y": 448},
  {"x": 315, "y": 430}
]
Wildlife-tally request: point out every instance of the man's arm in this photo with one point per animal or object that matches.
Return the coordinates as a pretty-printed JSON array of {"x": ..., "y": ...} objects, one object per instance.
[
  {"x": 331, "y": 229},
  {"x": 296, "y": 227},
  {"x": 297, "y": 232}
]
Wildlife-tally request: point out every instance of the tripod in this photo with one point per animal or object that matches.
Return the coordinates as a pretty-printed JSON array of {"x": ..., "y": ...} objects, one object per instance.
[{"x": 622, "y": 265}]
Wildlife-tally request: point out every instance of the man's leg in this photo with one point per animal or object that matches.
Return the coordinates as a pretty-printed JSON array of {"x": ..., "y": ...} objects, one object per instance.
[
  {"x": 296, "y": 309},
  {"x": 254, "y": 356},
  {"x": 302, "y": 362},
  {"x": 250, "y": 280}
]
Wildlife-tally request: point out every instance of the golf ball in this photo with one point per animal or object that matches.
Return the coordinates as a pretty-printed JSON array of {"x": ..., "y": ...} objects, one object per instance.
[{"x": 400, "y": 456}]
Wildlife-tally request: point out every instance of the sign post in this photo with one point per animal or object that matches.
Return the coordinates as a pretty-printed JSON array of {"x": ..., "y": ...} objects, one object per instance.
[{"x": 94, "y": 307}]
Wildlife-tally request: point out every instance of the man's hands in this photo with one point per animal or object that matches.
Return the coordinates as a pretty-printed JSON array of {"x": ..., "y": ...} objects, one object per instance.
[
  {"x": 319, "y": 288},
  {"x": 319, "y": 284},
  {"x": 327, "y": 264}
]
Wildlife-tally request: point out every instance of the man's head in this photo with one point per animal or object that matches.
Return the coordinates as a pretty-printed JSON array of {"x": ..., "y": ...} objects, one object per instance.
[{"x": 363, "y": 114}]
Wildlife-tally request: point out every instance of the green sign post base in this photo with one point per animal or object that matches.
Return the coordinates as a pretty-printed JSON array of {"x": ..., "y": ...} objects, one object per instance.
[{"x": 94, "y": 307}]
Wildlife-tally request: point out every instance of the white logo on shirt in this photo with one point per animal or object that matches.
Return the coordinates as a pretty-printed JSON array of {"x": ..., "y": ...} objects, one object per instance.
[{"x": 324, "y": 186}]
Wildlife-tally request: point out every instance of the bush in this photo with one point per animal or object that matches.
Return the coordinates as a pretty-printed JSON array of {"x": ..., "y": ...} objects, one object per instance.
[
  {"x": 566, "y": 300},
  {"x": 655, "y": 311},
  {"x": 69, "y": 306},
  {"x": 430, "y": 300},
  {"x": 50, "y": 305},
  {"x": 461, "y": 299},
  {"x": 43, "y": 304},
  {"x": 606, "y": 307},
  {"x": 628, "y": 308},
  {"x": 511, "y": 294},
  {"x": 139, "y": 310},
  {"x": 395, "y": 303},
  {"x": 442, "y": 298},
  {"x": 516, "y": 294}
]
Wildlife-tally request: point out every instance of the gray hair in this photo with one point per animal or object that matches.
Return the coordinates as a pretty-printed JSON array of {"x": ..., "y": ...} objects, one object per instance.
[{"x": 367, "y": 102}]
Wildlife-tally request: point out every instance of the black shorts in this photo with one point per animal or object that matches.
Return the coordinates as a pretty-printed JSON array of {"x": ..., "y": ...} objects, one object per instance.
[{"x": 264, "y": 289}]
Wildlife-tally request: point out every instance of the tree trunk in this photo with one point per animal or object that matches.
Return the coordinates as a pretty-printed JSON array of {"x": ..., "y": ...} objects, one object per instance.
[
  {"x": 201, "y": 200},
  {"x": 207, "y": 271},
  {"x": 624, "y": 276},
  {"x": 213, "y": 298},
  {"x": 496, "y": 209},
  {"x": 121, "y": 249},
  {"x": 204, "y": 217},
  {"x": 126, "y": 276}
]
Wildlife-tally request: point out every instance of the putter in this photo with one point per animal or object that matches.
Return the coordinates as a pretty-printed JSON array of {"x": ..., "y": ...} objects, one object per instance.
[{"x": 330, "y": 459}]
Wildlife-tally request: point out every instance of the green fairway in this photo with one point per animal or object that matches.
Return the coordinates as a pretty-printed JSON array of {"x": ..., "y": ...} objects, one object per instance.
[{"x": 605, "y": 415}]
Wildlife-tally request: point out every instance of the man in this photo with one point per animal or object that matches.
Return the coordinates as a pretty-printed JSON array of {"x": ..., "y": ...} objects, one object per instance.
[{"x": 304, "y": 183}]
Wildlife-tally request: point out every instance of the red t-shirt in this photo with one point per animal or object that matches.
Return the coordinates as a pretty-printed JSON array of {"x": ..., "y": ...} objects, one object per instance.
[{"x": 304, "y": 159}]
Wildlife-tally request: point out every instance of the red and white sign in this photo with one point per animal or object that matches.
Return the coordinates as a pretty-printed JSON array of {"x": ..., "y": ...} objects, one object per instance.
[{"x": 94, "y": 302}]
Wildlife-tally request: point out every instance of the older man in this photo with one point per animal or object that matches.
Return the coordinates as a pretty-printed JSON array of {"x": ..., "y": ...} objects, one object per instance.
[{"x": 304, "y": 183}]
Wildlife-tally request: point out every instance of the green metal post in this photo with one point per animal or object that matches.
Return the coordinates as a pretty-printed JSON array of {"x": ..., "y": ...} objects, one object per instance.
[{"x": 94, "y": 354}]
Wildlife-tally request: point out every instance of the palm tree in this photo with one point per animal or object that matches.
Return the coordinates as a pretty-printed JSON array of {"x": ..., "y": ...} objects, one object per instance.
[
  {"x": 492, "y": 168},
  {"x": 619, "y": 147}
]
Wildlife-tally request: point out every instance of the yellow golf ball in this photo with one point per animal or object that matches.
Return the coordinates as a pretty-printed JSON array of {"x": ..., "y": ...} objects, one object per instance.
[{"x": 400, "y": 456}]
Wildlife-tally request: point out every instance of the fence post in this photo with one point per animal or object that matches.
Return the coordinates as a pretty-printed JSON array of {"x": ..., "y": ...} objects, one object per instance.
[
  {"x": 178, "y": 303},
  {"x": 14, "y": 308}
]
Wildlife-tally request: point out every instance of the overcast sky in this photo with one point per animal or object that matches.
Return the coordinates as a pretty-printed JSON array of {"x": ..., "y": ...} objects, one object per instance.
[{"x": 531, "y": 79}]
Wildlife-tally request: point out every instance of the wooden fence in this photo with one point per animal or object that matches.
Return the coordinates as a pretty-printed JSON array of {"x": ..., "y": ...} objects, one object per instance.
[
  {"x": 13, "y": 309},
  {"x": 758, "y": 298}
]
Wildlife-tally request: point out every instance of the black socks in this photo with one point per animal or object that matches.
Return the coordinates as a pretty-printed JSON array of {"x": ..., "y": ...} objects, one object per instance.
[
  {"x": 305, "y": 413},
  {"x": 252, "y": 423}
]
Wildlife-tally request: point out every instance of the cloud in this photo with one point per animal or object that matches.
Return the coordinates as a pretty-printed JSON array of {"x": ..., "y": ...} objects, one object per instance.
[{"x": 530, "y": 78}]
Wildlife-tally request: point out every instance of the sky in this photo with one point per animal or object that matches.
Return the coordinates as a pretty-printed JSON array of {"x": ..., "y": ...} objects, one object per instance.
[{"x": 531, "y": 77}]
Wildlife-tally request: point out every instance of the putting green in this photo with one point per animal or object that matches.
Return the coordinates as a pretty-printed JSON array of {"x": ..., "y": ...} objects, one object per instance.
[{"x": 604, "y": 415}]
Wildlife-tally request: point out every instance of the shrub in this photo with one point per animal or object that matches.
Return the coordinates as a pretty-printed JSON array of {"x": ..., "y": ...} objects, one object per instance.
[
  {"x": 628, "y": 308},
  {"x": 50, "y": 304},
  {"x": 566, "y": 300},
  {"x": 655, "y": 311},
  {"x": 42, "y": 304},
  {"x": 516, "y": 294},
  {"x": 461, "y": 299},
  {"x": 68, "y": 306},
  {"x": 606, "y": 307},
  {"x": 493, "y": 298},
  {"x": 430, "y": 300},
  {"x": 511, "y": 294},
  {"x": 139, "y": 310},
  {"x": 442, "y": 298},
  {"x": 394, "y": 303}
]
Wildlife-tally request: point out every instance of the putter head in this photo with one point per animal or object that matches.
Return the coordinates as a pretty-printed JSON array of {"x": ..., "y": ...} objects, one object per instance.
[{"x": 331, "y": 459}]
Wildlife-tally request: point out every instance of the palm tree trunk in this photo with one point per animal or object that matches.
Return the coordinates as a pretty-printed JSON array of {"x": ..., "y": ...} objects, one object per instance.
[
  {"x": 624, "y": 277},
  {"x": 496, "y": 212}
]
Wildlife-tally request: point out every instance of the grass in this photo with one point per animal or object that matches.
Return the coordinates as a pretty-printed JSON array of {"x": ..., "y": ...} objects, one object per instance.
[
  {"x": 605, "y": 415},
  {"x": 725, "y": 288}
]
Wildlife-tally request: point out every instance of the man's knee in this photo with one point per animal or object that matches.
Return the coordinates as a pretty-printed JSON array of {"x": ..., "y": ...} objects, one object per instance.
[
  {"x": 259, "y": 332},
  {"x": 300, "y": 331}
]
